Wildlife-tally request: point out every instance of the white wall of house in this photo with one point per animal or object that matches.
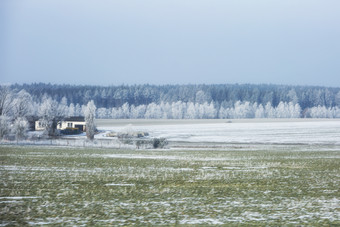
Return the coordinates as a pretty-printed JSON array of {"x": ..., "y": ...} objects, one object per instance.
[
  {"x": 70, "y": 124},
  {"x": 39, "y": 126}
]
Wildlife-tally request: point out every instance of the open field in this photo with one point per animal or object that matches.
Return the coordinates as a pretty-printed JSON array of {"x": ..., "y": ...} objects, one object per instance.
[
  {"x": 201, "y": 134},
  {"x": 223, "y": 133},
  {"x": 255, "y": 185}
]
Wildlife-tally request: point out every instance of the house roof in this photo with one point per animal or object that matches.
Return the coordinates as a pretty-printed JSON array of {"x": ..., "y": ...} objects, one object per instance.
[
  {"x": 75, "y": 119},
  {"x": 32, "y": 118}
]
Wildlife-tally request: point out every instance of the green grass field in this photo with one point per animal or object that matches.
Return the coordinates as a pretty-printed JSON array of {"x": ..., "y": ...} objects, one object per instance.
[{"x": 272, "y": 185}]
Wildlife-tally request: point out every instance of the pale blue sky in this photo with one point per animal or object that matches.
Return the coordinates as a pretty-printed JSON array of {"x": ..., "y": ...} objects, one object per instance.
[{"x": 107, "y": 42}]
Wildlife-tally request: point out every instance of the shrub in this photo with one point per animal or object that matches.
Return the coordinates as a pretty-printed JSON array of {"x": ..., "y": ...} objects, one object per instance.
[{"x": 159, "y": 142}]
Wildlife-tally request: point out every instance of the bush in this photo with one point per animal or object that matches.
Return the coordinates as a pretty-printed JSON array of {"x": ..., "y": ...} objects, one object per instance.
[{"x": 159, "y": 142}]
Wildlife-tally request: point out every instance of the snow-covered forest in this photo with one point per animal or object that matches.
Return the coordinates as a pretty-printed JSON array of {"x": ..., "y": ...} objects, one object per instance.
[{"x": 171, "y": 101}]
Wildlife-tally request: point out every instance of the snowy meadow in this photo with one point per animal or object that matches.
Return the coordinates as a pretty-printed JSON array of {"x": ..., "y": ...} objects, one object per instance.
[
  {"x": 223, "y": 132},
  {"x": 214, "y": 173}
]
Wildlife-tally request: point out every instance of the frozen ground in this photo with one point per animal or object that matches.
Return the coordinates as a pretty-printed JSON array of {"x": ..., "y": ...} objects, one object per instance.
[
  {"x": 290, "y": 185},
  {"x": 277, "y": 131}
]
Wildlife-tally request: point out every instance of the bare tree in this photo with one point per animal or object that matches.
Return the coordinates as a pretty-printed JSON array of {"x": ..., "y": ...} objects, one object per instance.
[
  {"x": 90, "y": 112},
  {"x": 6, "y": 97}
]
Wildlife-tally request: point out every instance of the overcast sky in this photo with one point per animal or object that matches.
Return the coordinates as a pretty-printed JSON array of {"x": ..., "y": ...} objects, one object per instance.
[{"x": 108, "y": 42}]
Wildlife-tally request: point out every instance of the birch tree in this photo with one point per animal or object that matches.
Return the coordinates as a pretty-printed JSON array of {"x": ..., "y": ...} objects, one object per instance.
[{"x": 90, "y": 112}]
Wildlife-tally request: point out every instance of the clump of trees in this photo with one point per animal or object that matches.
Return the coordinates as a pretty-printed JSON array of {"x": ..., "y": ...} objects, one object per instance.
[
  {"x": 14, "y": 107},
  {"x": 18, "y": 105}
]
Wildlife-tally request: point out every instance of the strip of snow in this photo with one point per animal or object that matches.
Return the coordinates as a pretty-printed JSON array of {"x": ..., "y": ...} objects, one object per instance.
[
  {"x": 196, "y": 221},
  {"x": 115, "y": 184},
  {"x": 10, "y": 201},
  {"x": 20, "y": 197}
]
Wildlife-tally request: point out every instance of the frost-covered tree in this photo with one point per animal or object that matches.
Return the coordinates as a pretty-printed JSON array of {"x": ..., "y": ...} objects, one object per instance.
[
  {"x": 138, "y": 111},
  {"x": 207, "y": 111},
  {"x": 281, "y": 111},
  {"x": 5, "y": 126},
  {"x": 72, "y": 110},
  {"x": 46, "y": 114},
  {"x": 293, "y": 96},
  {"x": 191, "y": 111},
  {"x": 295, "y": 110},
  {"x": 259, "y": 112},
  {"x": 63, "y": 108},
  {"x": 22, "y": 104},
  {"x": 20, "y": 127},
  {"x": 78, "y": 111},
  {"x": 51, "y": 113},
  {"x": 202, "y": 97},
  {"x": 269, "y": 111},
  {"x": 116, "y": 113},
  {"x": 178, "y": 109},
  {"x": 125, "y": 110},
  {"x": 90, "y": 115},
  {"x": 319, "y": 112},
  {"x": 153, "y": 111},
  {"x": 102, "y": 113},
  {"x": 6, "y": 97},
  {"x": 224, "y": 113},
  {"x": 337, "y": 99},
  {"x": 243, "y": 110},
  {"x": 166, "y": 110}
]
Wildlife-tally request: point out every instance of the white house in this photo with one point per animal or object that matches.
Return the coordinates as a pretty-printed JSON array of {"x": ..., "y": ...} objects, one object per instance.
[
  {"x": 73, "y": 122},
  {"x": 70, "y": 122}
]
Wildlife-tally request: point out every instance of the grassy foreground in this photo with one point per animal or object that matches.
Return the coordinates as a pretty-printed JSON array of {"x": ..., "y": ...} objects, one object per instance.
[{"x": 296, "y": 185}]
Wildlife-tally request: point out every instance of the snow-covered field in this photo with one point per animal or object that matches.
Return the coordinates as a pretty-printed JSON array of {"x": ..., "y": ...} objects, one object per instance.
[{"x": 276, "y": 131}]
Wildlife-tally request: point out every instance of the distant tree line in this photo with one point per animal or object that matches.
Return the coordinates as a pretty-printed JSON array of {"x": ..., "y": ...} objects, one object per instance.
[
  {"x": 52, "y": 102},
  {"x": 225, "y": 95}
]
